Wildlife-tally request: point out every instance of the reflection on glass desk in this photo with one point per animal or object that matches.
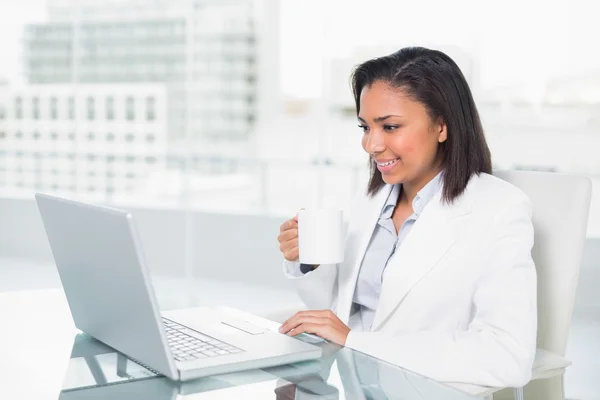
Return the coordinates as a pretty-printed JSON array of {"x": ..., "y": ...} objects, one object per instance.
[
  {"x": 38, "y": 336},
  {"x": 96, "y": 371}
]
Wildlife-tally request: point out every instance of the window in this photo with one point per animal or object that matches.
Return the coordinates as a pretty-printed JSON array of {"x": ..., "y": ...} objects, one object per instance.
[
  {"x": 19, "y": 107},
  {"x": 71, "y": 137},
  {"x": 150, "y": 108},
  {"x": 91, "y": 137},
  {"x": 71, "y": 106},
  {"x": 2, "y": 135},
  {"x": 91, "y": 108},
  {"x": 36, "y": 135},
  {"x": 35, "y": 105},
  {"x": 54, "y": 108},
  {"x": 110, "y": 108},
  {"x": 129, "y": 137},
  {"x": 54, "y": 136},
  {"x": 19, "y": 135},
  {"x": 110, "y": 137},
  {"x": 2, "y": 112},
  {"x": 130, "y": 108}
]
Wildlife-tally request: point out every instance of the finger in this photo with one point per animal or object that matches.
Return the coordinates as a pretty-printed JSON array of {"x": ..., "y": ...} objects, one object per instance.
[
  {"x": 288, "y": 246},
  {"x": 282, "y": 237},
  {"x": 304, "y": 313},
  {"x": 283, "y": 226},
  {"x": 289, "y": 224},
  {"x": 294, "y": 323},
  {"x": 315, "y": 329},
  {"x": 326, "y": 317},
  {"x": 286, "y": 225},
  {"x": 288, "y": 235},
  {"x": 292, "y": 255}
]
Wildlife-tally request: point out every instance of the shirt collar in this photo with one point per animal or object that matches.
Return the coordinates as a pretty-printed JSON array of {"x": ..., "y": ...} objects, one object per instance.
[
  {"x": 390, "y": 203},
  {"x": 422, "y": 198},
  {"x": 425, "y": 195}
]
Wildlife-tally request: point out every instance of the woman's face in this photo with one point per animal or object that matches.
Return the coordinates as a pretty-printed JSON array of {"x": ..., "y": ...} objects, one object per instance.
[{"x": 399, "y": 135}]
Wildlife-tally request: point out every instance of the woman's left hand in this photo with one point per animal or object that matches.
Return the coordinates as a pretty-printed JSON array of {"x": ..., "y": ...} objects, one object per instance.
[{"x": 322, "y": 323}]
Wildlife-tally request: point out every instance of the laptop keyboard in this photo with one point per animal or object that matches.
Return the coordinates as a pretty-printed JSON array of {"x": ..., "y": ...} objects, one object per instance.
[{"x": 187, "y": 348}]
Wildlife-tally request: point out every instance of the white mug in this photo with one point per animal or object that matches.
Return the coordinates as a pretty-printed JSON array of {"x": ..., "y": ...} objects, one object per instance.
[{"x": 320, "y": 236}]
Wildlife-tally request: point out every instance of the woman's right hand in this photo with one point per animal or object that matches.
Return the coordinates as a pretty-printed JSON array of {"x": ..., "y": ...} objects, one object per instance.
[{"x": 288, "y": 239}]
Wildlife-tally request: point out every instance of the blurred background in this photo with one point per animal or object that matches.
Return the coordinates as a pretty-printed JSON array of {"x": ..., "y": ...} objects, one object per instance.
[{"x": 213, "y": 121}]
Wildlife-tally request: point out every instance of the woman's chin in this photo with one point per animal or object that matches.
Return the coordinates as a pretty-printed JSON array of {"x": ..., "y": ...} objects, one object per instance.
[{"x": 392, "y": 179}]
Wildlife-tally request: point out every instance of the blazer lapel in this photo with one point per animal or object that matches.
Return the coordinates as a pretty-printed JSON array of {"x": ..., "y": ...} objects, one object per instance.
[
  {"x": 356, "y": 246},
  {"x": 430, "y": 238}
]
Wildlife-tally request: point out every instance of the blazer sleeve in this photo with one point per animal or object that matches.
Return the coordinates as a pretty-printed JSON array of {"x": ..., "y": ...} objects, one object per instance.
[
  {"x": 318, "y": 288},
  {"x": 498, "y": 348}
]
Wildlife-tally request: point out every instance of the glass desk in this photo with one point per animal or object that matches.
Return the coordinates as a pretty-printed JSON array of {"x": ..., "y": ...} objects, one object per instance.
[{"x": 43, "y": 356}]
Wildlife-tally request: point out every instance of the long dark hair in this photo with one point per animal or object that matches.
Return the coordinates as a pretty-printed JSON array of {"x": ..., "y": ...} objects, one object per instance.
[{"x": 433, "y": 79}]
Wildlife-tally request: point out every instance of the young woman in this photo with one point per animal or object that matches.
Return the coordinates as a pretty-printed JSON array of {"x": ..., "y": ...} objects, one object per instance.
[{"x": 437, "y": 276}]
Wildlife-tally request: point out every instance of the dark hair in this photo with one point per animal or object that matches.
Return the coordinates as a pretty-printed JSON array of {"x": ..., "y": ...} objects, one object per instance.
[{"x": 433, "y": 79}]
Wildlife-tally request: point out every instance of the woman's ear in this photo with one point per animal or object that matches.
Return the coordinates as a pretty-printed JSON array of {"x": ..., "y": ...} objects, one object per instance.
[{"x": 442, "y": 132}]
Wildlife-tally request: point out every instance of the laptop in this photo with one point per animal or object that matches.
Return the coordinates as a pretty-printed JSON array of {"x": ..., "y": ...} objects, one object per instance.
[{"x": 100, "y": 261}]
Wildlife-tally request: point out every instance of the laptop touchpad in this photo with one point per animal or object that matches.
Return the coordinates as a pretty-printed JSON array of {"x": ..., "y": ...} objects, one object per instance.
[{"x": 244, "y": 326}]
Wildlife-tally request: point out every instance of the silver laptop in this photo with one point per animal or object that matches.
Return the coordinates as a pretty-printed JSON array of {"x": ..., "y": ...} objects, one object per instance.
[{"x": 100, "y": 261}]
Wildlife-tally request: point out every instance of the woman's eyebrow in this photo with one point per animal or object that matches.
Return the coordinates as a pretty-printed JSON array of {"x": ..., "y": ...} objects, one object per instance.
[{"x": 380, "y": 119}]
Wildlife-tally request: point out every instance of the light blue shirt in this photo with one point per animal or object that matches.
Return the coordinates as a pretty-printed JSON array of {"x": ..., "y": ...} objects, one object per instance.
[{"x": 382, "y": 246}]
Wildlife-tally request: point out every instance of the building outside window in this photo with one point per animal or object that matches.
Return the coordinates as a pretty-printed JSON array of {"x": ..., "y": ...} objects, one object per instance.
[
  {"x": 150, "y": 108},
  {"x": 71, "y": 106},
  {"x": 130, "y": 108},
  {"x": 54, "y": 108},
  {"x": 110, "y": 108},
  {"x": 19, "y": 107},
  {"x": 35, "y": 104},
  {"x": 91, "y": 108}
]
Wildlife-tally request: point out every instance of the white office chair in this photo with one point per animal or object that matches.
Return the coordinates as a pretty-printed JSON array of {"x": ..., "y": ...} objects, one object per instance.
[{"x": 560, "y": 205}]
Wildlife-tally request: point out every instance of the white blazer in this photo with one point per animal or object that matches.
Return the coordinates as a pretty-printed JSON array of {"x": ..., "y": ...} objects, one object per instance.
[{"x": 458, "y": 300}]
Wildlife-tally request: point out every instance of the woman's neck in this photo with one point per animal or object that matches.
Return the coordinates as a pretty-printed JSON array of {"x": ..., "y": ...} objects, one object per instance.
[{"x": 410, "y": 189}]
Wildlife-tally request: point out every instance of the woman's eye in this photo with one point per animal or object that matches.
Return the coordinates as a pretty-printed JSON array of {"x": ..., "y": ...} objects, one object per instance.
[
  {"x": 364, "y": 128},
  {"x": 390, "y": 128}
]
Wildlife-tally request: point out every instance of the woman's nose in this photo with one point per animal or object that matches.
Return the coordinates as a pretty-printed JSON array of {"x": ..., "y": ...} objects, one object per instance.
[{"x": 375, "y": 143}]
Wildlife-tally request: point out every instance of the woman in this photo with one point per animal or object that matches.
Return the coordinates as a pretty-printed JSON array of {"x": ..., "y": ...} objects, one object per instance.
[{"x": 437, "y": 276}]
